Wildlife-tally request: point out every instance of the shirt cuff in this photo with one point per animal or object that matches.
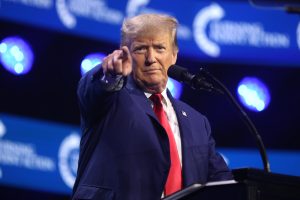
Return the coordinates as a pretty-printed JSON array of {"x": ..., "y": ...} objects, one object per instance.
[{"x": 112, "y": 83}]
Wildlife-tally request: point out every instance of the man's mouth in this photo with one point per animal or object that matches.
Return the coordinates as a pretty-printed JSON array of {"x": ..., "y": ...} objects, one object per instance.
[{"x": 151, "y": 70}]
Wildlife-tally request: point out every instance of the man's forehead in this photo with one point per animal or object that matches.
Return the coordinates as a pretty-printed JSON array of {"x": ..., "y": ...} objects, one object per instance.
[
  {"x": 150, "y": 29},
  {"x": 151, "y": 36},
  {"x": 143, "y": 40}
]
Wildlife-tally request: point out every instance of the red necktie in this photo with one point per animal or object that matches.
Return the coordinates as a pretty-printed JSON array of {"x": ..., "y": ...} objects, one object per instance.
[{"x": 174, "y": 181}]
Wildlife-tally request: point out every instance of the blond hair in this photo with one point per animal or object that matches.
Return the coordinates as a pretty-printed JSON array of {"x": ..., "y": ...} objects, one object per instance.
[{"x": 134, "y": 26}]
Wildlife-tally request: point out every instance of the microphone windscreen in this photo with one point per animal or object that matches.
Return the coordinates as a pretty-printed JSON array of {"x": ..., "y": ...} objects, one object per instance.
[{"x": 176, "y": 72}]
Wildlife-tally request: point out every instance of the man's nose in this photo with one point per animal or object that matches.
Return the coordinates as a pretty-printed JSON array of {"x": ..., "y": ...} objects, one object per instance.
[{"x": 150, "y": 56}]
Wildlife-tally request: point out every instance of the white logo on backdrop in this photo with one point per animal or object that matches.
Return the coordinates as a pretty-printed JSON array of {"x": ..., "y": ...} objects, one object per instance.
[
  {"x": 64, "y": 14},
  {"x": 210, "y": 32},
  {"x": 96, "y": 10},
  {"x": 43, "y": 4},
  {"x": 225, "y": 159},
  {"x": 68, "y": 158},
  {"x": 298, "y": 35},
  {"x": 202, "y": 19},
  {"x": 134, "y": 6},
  {"x": 23, "y": 155},
  {"x": 2, "y": 129}
]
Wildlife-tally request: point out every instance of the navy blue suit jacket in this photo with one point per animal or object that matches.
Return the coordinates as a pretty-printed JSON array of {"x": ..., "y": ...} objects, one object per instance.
[{"x": 130, "y": 160}]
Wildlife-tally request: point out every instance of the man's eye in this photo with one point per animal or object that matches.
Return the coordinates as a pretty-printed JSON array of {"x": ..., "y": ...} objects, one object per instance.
[
  {"x": 139, "y": 49},
  {"x": 160, "y": 48}
]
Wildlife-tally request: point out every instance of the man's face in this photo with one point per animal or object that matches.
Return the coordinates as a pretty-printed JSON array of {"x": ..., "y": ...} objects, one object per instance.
[{"x": 152, "y": 55}]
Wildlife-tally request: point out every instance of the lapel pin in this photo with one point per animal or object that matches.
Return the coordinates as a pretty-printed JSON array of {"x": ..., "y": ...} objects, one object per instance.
[{"x": 184, "y": 113}]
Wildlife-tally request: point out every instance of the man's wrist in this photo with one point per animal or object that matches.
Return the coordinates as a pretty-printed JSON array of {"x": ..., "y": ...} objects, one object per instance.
[{"x": 112, "y": 82}]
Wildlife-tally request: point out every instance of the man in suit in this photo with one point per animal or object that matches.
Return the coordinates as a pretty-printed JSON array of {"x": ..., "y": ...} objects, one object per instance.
[{"x": 139, "y": 142}]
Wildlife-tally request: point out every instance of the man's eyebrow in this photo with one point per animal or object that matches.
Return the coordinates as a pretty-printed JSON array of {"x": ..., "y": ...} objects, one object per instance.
[
  {"x": 160, "y": 44},
  {"x": 143, "y": 44},
  {"x": 139, "y": 44}
]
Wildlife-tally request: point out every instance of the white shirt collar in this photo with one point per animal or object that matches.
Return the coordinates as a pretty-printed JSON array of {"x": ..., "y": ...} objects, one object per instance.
[{"x": 164, "y": 94}]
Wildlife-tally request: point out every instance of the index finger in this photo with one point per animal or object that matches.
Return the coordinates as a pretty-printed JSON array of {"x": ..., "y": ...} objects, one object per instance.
[
  {"x": 126, "y": 60},
  {"x": 126, "y": 53}
]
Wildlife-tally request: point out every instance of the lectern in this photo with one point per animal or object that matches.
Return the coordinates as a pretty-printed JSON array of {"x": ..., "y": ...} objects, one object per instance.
[{"x": 248, "y": 184}]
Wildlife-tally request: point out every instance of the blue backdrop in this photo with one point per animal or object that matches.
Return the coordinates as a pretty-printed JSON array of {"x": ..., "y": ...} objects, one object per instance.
[{"x": 233, "y": 32}]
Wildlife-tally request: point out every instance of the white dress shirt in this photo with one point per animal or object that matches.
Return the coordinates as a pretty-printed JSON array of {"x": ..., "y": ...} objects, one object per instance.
[{"x": 172, "y": 118}]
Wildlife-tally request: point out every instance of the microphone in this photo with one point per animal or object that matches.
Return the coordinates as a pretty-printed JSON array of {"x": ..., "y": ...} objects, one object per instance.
[
  {"x": 199, "y": 81},
  {"x": 196, "y": 81}
]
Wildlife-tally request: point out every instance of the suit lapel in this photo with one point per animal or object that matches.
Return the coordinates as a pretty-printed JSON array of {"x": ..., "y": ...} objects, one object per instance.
[
  {"x": 186, "y": 138},
  {"x": 139, "y": 97},
  {"x": 183, "y": 121}
]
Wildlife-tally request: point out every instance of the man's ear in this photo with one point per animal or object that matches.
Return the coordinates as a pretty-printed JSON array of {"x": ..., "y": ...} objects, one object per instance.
[{"x": 174, "y": 57}]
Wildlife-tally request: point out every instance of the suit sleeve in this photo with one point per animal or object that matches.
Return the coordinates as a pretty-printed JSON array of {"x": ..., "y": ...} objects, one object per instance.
[
  {"x": 95, "y": 95},
  {"x": 217, "y": 169}
]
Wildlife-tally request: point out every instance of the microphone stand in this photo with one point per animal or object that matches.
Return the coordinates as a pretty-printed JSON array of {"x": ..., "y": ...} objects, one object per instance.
[{"x": 246, "y": 119}]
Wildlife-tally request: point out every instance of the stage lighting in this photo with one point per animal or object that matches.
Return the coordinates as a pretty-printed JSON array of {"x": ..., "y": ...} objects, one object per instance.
[
  {"x": 90, "y": 61},
  {"x": 16, "y": 55},
  {"x": 175, "y": 88},
  {"x": 253, "y": 94}
]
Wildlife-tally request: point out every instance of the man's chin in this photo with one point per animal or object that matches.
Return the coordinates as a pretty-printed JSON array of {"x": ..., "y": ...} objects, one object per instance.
[
  {"x": 155, "y": 85},
  {"x": 155, "y": 80}
]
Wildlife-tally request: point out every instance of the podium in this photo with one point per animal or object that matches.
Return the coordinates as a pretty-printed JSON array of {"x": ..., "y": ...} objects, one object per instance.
[{"x": 248, "y": 184}]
